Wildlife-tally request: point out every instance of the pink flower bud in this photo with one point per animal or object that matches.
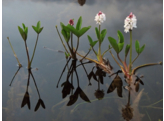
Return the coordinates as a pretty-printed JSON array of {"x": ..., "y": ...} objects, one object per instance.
[
  {"x": 71, "y": 22},
  {"x": 131, "y": 15},
  {"x": 99, "y": 13}
]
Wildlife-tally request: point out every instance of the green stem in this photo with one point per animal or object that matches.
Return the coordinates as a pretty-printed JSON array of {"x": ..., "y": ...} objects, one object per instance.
[
  {"x": 135, "y": 58},
  {"x": 99, "y": 50},
  {"x": 34, "y": 49},
  {"x": 105, "y": 52},
  {"x": 130, "y": 52},
  {"x": 14, "y": 53},
  {"x": 119, "y": 58},
  {"x": 61, "y": 40},
  {"x": 115, "y": 59},
  {"x": 144, "y": 65}
]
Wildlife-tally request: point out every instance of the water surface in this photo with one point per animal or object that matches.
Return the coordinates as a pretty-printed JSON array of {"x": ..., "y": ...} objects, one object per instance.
[{"x": 50, "y": 63}]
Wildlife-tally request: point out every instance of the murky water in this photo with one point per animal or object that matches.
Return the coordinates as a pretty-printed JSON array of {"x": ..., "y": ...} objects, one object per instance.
[{"x": 145, "y": 105}]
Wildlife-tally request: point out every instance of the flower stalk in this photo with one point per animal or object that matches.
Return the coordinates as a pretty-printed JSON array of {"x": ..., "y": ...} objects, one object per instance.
[{"x": 130, "y": 62}]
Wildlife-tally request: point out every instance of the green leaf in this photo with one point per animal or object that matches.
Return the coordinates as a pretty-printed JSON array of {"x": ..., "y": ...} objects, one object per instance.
[
  {"x": 38, "y": 25},
  {"x": 127, "y": 50},
  {"x": 97, "y": 33},
  {"x": 35, "y": 29},
  {"x": 73, "y": 30},
  {"x": 141, "y": 49},
  {"x": 90, "y": 40},
  {"x": 114, "y": 44},
  {"x": 61, "y": 24},
  {"x": 120, "y": 41},
  {"x": 120, "y": 36},
  {"x": 66, "y": 35},
  {"x": 120, "y": 46},
  {"x": 103, "y": 34},
  {"x": 79, "y": 23},
  {"x": 94, "y": 43},
  {"x": 83, "y": 30},
  {"x": 23, "y": 25},
  {"x": 137, "y": 46},
  {"x": 26, "y": 31},
  {"x": 22, "y": 33},
  {"x": 40, "y": 30}
]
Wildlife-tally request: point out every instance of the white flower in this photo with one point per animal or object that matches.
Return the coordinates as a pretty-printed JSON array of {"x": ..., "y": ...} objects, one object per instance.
[
  {"x": 130, "y": 22},
  {"x": 100, "y": 18}
]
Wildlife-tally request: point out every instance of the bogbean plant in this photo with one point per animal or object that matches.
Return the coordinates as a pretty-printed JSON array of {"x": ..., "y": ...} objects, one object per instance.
[
  {"x": 130, "y": 23},
  {"x": 24, "y": 33}
]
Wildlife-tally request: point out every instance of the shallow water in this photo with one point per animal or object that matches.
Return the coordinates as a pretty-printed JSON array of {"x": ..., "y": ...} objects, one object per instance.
[{"x": 50, "y": 63}]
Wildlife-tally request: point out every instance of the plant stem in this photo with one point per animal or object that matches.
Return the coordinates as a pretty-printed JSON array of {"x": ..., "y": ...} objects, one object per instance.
[
  {"x": 115, "y": 59},
  {"x": 135, "y": 58},
  {"x": 144, "y": 65},
  {"x": 105, "y": 52},
  {"x": 14, "y": 75},
  {"x": 85, "y": 55},
  {"x": 14, "y": 53},
  {"x": 71, "y": 51},
  {"x": 71, "y": 40},
  {"x": 77, "y": 45},
  {"x": 35, "y": 84},
  {"x": 88, "y": 58},
  {"x": 94, "y": 51},
  {"x": 34, "y": 49},
  {"x": 61, "y": 40},
  {"x": 99, "y": 50},
  {"x": 130, "y": 62},
  {"x": 119, "y": 58},
  {"x": 27, "y": 55}
]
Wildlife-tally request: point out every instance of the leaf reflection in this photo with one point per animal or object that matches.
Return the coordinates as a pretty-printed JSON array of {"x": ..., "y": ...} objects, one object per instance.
[{"x": 116, "y": 83}]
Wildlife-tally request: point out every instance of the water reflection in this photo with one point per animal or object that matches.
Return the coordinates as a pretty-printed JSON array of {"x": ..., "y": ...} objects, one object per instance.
[
  {"x": 98, "y": 75},
  {"x": 26, "y": 98}
]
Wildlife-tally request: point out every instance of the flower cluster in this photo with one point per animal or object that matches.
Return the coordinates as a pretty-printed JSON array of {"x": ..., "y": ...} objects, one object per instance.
[
  {"x": 130, "y": 22},
  {"x": 100, "y": 18}
]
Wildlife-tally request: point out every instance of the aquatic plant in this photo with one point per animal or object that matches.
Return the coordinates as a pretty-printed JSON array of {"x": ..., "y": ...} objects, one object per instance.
[
  {"x": 129, "y": 23},
  {"x": 24, "y": 34}
]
